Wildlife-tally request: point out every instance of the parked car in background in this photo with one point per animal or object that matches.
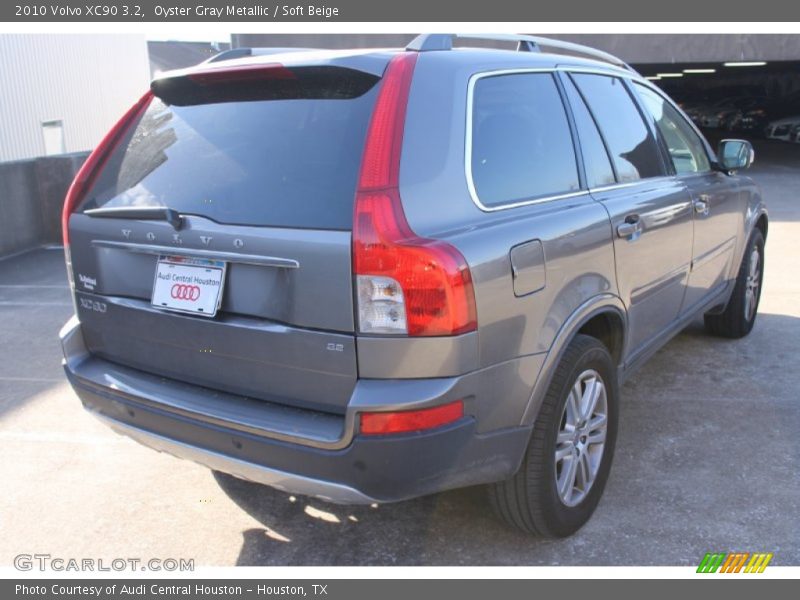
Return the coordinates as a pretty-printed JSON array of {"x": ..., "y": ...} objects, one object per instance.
[
  {"x": 795, "y": 135},
  {"x": 710, "y": 115},
  {"x": 750, "y": 120},
  {"x": 725, "y": 112},
  {"x": 368, "y": 276},
  {"x": 695, "y": 110},
  {"x": 759, "y": 115},
  {"x": 781, "y": 129}
]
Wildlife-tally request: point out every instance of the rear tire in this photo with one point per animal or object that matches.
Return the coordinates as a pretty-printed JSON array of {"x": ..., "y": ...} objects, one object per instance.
[
  {"x": 545, "y": 497},
  {"x": 739, "y": 316}
]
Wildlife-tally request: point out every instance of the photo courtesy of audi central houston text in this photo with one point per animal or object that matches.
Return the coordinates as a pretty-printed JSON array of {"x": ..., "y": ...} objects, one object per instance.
[{"x": 468, "y": 291}]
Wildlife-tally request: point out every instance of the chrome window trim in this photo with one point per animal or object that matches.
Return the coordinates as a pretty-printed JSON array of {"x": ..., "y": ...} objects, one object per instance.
[
  {"x": 638, "y": 182},
  {"x": 474, "y": 78},
  {"x": 614, "y": 186}
]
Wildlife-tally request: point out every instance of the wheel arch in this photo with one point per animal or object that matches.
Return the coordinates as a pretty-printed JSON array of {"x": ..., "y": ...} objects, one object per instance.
[
  {"x": 756, "y": 219},
  {"x": 762, "y": 224},
  {"x": 603, "y": 317}
]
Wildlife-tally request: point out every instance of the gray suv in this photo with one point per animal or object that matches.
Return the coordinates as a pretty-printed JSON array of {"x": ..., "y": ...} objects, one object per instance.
[{"x": 367, "y": 276}]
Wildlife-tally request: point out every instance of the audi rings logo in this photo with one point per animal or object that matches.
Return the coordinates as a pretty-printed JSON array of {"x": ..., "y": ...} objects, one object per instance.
[{"x": 181, "y": 291}]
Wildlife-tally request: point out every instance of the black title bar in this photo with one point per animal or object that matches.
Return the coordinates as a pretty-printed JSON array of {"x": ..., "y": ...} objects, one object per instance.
[
  {"x": 176, "y": 11},
  {"x": 402, "y": 589}
]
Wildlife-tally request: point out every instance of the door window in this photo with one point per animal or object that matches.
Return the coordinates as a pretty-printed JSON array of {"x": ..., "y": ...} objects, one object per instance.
[
  {"x": 599, "y": 171},
  {"x": 685, "y": 148},
  {"x": 633, "y": 148}
]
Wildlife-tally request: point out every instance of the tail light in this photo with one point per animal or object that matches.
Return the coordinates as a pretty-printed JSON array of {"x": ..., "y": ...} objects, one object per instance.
[
  {"x": 383, "y": 423},
  {"x": 405, "y": 284},
  {"x": 88, "y": 172},
  {"x": 94, "y": 163}
]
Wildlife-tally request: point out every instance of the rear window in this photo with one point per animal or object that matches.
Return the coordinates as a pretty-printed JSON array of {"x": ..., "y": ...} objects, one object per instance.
[{"x": 281, "y": 152}]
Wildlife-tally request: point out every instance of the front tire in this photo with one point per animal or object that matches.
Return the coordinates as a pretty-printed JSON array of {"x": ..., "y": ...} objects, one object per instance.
[
  {"x": 739, "y": 316},
  {"x": 569, "y": 456}
]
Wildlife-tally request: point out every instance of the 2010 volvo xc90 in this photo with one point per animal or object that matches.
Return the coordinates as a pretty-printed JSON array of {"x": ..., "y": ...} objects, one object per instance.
[{"x": 372, "y": 275}]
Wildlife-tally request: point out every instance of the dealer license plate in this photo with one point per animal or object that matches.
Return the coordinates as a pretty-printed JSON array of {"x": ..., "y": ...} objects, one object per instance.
[{"x": 189, "y": 285}]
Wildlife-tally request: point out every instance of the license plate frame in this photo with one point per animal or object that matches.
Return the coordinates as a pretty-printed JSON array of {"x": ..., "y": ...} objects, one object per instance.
[{"x": 180, "y": 282}]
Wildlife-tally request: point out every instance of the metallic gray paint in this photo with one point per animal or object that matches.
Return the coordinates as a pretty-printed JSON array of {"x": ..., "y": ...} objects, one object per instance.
[
  {"x": 240, "y": 355},
  {"x": 404, "y": 357},
  {"x": 435, "y": 183},
  {"x": 528, "y": 268},
  {"x": 317, "y": 294},
  {"x": 681, "y": 263},
  {"x": 651, "y": 270}
]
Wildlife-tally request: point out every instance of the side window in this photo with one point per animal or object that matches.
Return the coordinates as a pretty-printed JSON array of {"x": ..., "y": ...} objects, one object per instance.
[
  {"x": 685, "y": 148},
  {"x": 521, "y": 143},
  {"x": 598, "y": 167},
  {"x": 633, "y": 148}
]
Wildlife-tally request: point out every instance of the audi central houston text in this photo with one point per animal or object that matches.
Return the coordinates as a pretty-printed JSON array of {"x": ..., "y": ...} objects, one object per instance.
[
  {"x": 372, "y": 275},
  {"x": 156, "y": 589}
]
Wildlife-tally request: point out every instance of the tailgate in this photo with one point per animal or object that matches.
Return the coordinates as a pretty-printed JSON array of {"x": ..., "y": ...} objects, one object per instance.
[
  {"x": 262, "y": 174},
  {"x": 281, "y": 334}
]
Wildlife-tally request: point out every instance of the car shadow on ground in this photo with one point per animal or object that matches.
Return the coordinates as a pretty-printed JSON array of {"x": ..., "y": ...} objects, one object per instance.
[
  {"x": 703, "y": 375},
  {"x": 299, "y": 530}
]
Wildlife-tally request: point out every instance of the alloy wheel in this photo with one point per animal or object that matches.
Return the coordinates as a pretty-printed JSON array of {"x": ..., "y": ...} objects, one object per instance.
[
  {"x": 752, "y": 284},
  {"x": 581, "y": 438}
]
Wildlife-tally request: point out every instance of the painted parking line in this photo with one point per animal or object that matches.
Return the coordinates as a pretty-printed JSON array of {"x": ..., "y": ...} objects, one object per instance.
[
  {"x": 23, "y": 304},
  {"x": 32, "y": 285},
  {"x": 55, "y": 437},
  {"x": 34, "y": 379}
]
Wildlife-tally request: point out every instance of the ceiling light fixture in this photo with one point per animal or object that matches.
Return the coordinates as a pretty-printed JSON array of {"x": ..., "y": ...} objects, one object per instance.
[{"x": 753, "y": 63}]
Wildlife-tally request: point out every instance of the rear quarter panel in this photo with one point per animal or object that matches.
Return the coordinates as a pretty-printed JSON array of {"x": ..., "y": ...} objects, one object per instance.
[{"x": 575, "y": 232}]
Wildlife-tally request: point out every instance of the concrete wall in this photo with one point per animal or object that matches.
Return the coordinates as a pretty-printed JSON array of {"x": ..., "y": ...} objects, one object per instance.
[
  {"x": 85, "y": 81},
  {"x": 31, "y": 196}
]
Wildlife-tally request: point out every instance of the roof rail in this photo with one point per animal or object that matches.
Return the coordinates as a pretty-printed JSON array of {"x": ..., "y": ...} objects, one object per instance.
[
  {"x": 242, "y": 52},
  {"x": 428, "y": 42}
]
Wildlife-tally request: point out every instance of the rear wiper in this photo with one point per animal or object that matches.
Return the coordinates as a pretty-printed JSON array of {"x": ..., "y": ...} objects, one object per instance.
[{"x": 145, "y": 213}]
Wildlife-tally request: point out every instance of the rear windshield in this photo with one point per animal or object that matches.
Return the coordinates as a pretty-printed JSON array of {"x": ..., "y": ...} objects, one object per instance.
[{"x": 282, "y": 152}]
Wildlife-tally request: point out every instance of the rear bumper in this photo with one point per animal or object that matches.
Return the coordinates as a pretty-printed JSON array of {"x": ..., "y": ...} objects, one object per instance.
[
  {"x": 344, "y": 468},
  {"x": 288, "y": 482}
]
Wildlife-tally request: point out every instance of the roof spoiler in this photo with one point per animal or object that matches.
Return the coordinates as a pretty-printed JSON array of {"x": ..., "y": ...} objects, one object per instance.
[{"x": 235, "y": 53}]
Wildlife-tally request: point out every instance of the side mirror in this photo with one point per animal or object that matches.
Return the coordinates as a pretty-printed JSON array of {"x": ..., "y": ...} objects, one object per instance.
[{"x": 735, "y": 155}]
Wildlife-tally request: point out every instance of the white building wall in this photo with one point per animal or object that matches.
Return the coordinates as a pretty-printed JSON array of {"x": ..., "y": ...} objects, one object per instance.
[{"x": 87, "y": 81}]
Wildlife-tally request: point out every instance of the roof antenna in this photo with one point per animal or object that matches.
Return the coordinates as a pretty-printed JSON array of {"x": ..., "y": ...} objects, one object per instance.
[{"x": 527, "y": 46}]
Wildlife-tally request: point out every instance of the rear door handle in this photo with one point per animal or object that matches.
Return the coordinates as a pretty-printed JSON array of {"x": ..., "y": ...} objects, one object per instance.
[
  {"x": 631, "y": 228},
  {"x": 701, "y": 205}
]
